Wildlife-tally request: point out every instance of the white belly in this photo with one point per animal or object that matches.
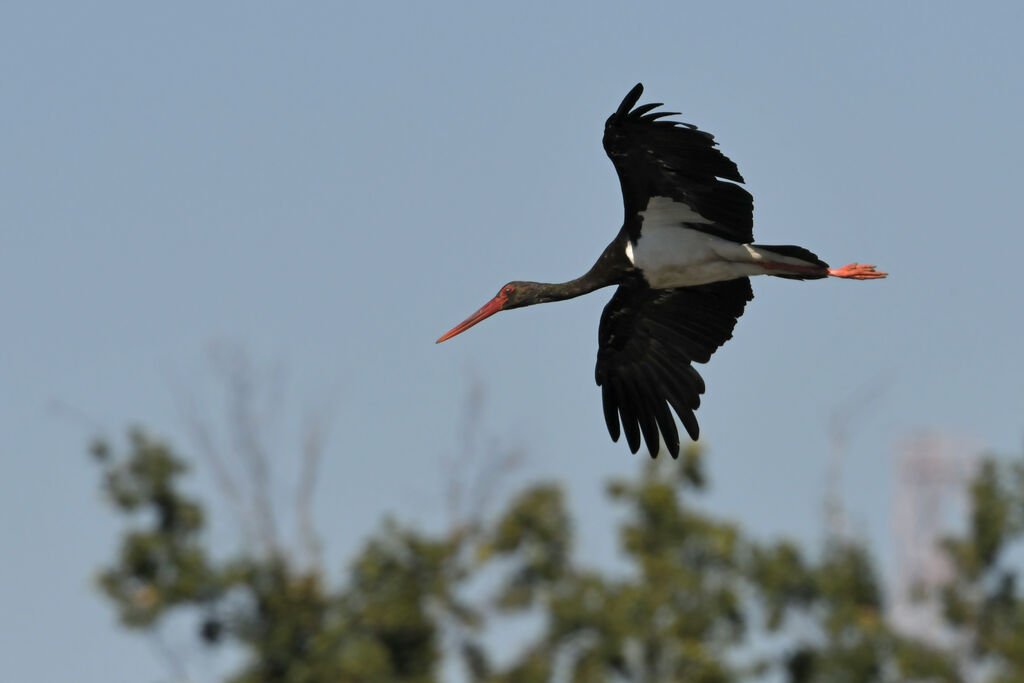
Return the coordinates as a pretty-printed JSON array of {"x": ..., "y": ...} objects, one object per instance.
[
  {"x": 673, "y": 256},
  {"x": 669, "y": 254}
]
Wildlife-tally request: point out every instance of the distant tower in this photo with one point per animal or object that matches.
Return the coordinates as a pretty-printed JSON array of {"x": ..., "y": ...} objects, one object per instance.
[{"x": 932, "y": 472}]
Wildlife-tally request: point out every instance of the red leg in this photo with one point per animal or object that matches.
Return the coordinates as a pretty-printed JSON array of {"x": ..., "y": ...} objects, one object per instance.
[
  {"x": 793, "y": 268},
  {"x": 857, "y": 271},
  {"x": 853, "y": 271}
]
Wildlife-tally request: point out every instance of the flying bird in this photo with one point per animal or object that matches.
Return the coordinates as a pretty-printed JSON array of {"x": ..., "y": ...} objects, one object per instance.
[{"x": 681, "y": 261}]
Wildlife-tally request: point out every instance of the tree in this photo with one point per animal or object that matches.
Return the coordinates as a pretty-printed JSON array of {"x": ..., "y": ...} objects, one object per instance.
[
  {"x": 700, "y": 599},
  {"x": 981, "y": 602},
  {"x": 291, "y": 625}
]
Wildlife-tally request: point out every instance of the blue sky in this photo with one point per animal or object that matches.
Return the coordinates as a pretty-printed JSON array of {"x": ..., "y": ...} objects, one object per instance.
[{"x": 331, "y": 186}]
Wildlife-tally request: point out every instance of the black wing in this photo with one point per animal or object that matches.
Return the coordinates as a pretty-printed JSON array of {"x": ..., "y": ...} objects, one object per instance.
[
  {"x": 657, "y": 158},
  {"x": 647, "y": 340}
]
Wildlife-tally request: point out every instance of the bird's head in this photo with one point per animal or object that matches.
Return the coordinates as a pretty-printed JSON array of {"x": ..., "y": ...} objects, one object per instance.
[{"x": 512, "y": 295}]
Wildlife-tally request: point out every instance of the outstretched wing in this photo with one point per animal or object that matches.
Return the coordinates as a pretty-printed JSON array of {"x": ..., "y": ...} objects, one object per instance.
[
  {"x": 656, "y": 158},
  {"x": 647, "y": 340}
]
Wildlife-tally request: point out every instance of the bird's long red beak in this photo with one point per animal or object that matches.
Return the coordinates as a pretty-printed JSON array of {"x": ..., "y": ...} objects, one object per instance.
[{"x": 486, "y": 311}]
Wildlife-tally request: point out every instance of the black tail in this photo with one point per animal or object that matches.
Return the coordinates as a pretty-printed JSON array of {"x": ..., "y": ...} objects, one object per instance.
[{"x": 793, "y": 251}]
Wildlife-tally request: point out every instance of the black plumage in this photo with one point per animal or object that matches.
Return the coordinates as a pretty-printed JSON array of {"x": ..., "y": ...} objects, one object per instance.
[
  {"x": 671, "y": 159},
  {"x": 647, "y": 342},
  {"x": 648, "y": 338}
]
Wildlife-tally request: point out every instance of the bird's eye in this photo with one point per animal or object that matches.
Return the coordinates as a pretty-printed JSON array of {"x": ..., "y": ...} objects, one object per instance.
[{"x": 507, "y": 290}]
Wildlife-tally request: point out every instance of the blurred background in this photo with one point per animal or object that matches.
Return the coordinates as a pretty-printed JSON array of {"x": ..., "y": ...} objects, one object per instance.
[{"x": 290, "y": 203}]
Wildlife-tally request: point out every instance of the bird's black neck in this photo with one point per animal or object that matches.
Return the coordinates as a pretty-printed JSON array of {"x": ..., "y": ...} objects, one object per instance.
[
  {"x": 559, "y": 291},
  {"x": 609, "y": 269}
]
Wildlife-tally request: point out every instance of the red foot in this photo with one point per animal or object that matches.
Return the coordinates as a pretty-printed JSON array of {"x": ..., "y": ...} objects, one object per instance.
[{"x": 857, "y": 271}]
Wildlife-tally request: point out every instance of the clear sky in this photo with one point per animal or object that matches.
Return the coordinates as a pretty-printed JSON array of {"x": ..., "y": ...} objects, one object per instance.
[{"x": 332, "y": 185}]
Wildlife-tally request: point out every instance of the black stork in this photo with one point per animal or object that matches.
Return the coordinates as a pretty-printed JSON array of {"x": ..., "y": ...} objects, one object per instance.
[{"x": 682, "y": 262}]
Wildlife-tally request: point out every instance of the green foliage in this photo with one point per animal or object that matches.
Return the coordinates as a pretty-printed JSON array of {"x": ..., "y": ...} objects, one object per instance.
[
  {"x": 672, "y": 620},
  {"x": 842, "y": 597},
  {"x": 293, "y": 627},
  {"x": 164, "y": 565},
  {"x": 982, "y": 601},
  {"x": 696, "y": 603}
]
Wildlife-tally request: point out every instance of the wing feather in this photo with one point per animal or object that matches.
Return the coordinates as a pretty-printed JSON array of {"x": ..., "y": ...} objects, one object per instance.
[
  {"x": 627, "y": 406},
  {"x": 610, "y": 404},
  {"x": 656, "y": 158},
  {"x": 648, "y": 340},
  {"x": 658, "y": 408}
]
